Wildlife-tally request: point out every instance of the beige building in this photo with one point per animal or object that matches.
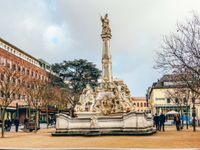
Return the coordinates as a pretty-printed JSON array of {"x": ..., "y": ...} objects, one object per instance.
[
  {"x": 162, "y": 97},
  {"x": 140, "y": 103}
]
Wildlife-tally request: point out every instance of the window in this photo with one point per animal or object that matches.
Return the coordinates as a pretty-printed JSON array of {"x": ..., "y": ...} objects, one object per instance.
[
  {"x": 176, "y": 100},
  {"x": 23, "y": 70},
  {"x": 168, "y": 100},
  {"x": 2, "y": 77},
  {"x": 27, "y": 72},
  {"x": 2, "y": 94},
  {"x": 137, "y": 104},
  {"x": 160, "y": 99},
  {"x": 19, "y": 96},
  {"x": 141, "y": 104},
  {"x": 184, "y": 100},
  {"x": 13, "y": 95},
  {"x": 13, "y": 80},
  {"x": 19, "y": 68},
  {"x": 145, "y": 104},
  {"x": 14, "y": 67}
]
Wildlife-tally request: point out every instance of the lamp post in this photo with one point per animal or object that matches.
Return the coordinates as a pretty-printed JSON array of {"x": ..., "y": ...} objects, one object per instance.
[
  {"x": 17, "y": 111},
  {"x": 193, "y": 114}
]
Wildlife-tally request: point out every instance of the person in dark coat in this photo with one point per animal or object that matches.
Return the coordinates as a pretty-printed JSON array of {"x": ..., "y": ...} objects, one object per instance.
[
  {"x": 8, "y": 124},
  {"x": 156, "y": 121},
  {"x": 16, "y": 122},
  {"x": 162, "y": 121},
  {"x": 177, "y": 121},
  {"x": 25, "y": 123}
]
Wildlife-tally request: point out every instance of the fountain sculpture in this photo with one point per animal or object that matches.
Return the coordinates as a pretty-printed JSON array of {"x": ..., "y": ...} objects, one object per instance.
[{"x": 108, "y": 109}]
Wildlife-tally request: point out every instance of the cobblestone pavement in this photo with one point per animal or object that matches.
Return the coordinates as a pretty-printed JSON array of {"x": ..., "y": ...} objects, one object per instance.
[{"x": 43, "y": 139}]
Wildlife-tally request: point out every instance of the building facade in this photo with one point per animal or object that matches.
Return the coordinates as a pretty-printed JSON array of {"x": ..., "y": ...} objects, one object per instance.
[
  {"x": 25, "y": 64},
  {"x": 167, "y": 95},
  {"x": 140, "y": 104}
]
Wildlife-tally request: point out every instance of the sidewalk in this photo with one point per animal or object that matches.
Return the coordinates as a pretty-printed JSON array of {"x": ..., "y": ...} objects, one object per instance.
[
  {"x": 21, "y": 127},
  {"x": 43, "y": 139}
]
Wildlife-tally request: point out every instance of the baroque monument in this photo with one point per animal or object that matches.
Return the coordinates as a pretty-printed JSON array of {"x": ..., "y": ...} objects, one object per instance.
[
  {"x": 106, "y": 110},
  {"x": 110, "y": 96}
]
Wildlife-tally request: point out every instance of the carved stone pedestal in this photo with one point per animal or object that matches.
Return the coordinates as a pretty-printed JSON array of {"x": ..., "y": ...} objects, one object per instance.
[{"x": 133, "y": 123}]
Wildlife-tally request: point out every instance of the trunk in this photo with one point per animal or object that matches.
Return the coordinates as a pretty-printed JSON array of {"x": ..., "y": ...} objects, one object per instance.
[
  {"x": 47, "y": 115},
  {"x": 181, "y": 116},
  {"x": 187, "y": 117},
  {"x": 36, "y": 121},
  {"x": 3, "y": 122},
  {"x": 58, "y": 111},
  {"x": 29, "y": 114}
]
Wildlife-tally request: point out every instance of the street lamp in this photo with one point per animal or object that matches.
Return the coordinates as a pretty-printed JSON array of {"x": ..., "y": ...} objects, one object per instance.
[
  {"x": 193, "y": 114},
  {"x": 17, "y": 110}
]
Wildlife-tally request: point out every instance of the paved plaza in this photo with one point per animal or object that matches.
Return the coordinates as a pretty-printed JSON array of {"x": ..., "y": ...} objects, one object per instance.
[{"x": 43, "y": 139}]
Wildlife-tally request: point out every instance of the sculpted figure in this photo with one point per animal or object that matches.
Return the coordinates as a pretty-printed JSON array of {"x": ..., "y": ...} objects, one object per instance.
[
  {"x": 86, "y": 100},
  {"x": 106, "y": 105},
  {"x": 105, "y": 25},
  {"x": 94, "y": 122}
]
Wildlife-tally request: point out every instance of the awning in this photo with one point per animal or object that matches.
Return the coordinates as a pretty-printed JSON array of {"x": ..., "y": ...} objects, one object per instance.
[{"x": 171, "y": 112}]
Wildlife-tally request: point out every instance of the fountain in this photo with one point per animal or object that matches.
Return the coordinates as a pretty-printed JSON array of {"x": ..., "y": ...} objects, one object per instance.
[{"x": 108, "y": 109}]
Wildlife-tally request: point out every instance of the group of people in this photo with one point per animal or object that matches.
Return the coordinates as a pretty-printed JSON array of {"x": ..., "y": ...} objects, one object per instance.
[
  {"x": 8, "y": 124},
  {"x": 159, "y": 122}
]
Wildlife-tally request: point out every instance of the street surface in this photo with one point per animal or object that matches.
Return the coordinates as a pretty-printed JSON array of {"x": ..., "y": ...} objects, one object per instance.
[{"x": 43, "y": 139}]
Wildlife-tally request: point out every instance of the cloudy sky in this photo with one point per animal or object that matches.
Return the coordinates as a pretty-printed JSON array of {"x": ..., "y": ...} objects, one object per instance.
[{"x": 58, "y": 30}]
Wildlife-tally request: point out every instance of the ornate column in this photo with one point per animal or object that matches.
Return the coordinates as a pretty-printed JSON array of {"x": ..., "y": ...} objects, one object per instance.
[{"x": 106, "y": 54}]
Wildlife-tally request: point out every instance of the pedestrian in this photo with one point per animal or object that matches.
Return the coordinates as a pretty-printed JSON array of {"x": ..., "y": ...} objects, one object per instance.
[
  {"x": 16, "y": 122},
  {"x": 9, "y": 124},
  {"x": 25, "y": 123},
  {"x": 6, "y": 124},
  {"x": 162, "y": 121},
  {"x": 177, "y": 121},
  {"x": 156, "y": 121}
]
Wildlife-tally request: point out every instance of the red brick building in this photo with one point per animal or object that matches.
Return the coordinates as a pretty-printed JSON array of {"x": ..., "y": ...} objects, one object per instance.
[
  {"x": 140, "y": 103},
  {"x": 29, "y": 66}
]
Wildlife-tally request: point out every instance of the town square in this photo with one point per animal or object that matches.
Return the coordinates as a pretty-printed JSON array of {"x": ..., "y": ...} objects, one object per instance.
[{"x": 99, "y": 74}]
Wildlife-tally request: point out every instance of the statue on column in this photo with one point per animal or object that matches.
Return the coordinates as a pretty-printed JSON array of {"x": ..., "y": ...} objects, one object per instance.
[{"x": 106, "y": 31}]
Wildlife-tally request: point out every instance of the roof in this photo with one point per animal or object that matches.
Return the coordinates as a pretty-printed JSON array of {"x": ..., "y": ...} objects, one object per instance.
[
  {"x": 2, "y": 40},
  {"x": 173, "y": 80},
  {"x": 138, "y": 98}
]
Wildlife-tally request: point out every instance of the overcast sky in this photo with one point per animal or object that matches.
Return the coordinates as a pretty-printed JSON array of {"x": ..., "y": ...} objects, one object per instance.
[{"x": 57, "y": 30}]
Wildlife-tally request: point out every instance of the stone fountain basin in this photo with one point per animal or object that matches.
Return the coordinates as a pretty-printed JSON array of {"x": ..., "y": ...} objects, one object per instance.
[{"x": 90, "y": 123}]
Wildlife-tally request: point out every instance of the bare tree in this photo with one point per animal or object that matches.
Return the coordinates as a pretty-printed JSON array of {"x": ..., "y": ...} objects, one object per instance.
[
  {"x": 64, "y": 99},
  {"x": 180, "y": 53},
  {"x": 35, "y": 92},
  {"x": 182, "y": 97},
  {"x": 11, "y": 85},
  {"x": 48, "y": 98}
]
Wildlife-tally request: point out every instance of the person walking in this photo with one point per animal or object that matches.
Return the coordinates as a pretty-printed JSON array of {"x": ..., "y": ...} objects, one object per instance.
[
  {"x": 156, "y": 121},
  {"x": 162, "y": 121},
  {"x": 6, "y": 124},
  {"x": 25, "y": 123},
  {"x": 16, "y": 122},
  {"x": 177, "y": 121},
  {"x": 9, "y": 124}
]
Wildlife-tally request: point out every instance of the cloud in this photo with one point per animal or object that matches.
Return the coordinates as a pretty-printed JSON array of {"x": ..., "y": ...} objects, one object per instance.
[
  {"x": 56, "y": 37},
  {"x": 68, "y": 29}
]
